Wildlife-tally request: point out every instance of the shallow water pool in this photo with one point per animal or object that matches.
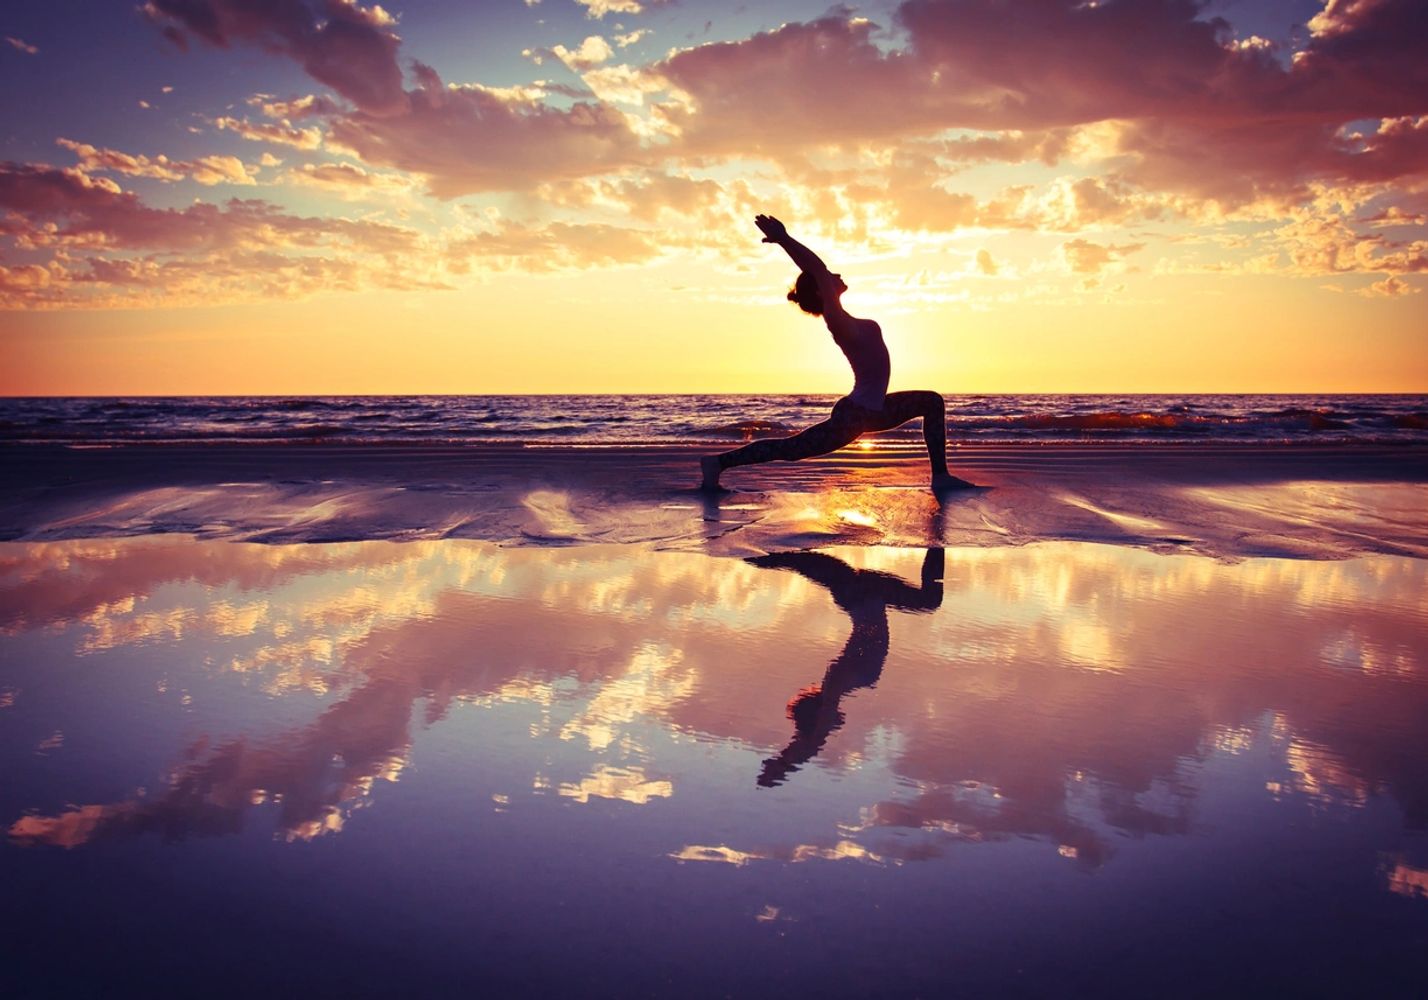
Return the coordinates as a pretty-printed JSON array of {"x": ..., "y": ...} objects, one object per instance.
[{"x": 420, "y": 768}]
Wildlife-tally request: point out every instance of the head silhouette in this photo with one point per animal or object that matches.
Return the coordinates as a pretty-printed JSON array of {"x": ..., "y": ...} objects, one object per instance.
[{"x": 806, "y": 293}]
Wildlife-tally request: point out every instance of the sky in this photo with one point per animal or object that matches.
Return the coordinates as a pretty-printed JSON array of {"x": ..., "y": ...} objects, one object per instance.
[{"x": 515, "y": 196}]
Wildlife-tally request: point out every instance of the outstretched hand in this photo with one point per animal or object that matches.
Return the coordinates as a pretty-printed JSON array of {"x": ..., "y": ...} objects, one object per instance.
[{"x": 772, "y": 229}]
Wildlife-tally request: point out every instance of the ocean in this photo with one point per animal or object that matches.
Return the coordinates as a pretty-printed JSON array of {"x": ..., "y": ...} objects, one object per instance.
[{"x": 593, "y": 420}]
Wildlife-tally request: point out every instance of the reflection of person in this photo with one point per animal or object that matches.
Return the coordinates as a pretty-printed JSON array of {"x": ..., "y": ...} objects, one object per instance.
[
  {"x": 865, "y": 596},
  {"x": 869, "y": 407}
]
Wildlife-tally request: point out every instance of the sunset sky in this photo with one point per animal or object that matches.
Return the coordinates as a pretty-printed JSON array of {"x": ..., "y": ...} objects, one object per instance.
[{"x": 321, "y": 196}]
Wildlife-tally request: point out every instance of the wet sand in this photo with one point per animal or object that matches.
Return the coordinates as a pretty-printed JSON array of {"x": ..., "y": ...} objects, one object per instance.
[
  {"x": 1219, "y": 500},
  {"x": 1122, "y": 722},
  {"x": 1063, "y": 768}
]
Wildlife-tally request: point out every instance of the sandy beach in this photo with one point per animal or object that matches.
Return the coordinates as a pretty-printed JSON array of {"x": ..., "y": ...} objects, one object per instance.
[
  {"x": 884, "y": 739},
  {"x": 1221, "y": 500}
]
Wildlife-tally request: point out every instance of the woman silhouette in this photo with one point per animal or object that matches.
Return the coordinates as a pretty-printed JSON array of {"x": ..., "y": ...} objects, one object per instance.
[{"x": 869, "y": 407}]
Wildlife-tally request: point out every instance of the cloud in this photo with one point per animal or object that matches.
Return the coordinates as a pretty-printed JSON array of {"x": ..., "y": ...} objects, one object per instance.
[
  {"x": 349, "y": 181},
  {"x": 1151, "y": 111},
  {"x": 592, "y": 52},
  {"x": 802, "y": 85},
  {"x": 1390, "y": 287},
  {"x": 1183, "y": 106},
  {"x": 154, "y": 280},
  {"x": 624, "y": 84},
  {"x": 206, "y": 170},
  {"x": 1085, "y": 257},
  {"x": 242, "y": 248},
  {"x": 70, "y": 208},
  {"x": 1320, "y": 245},
  {"x": 1191, "y": 111},
  {"x": 470, "y": 138},
  {"x": 985, "y": 264},
  {"x": 282, "y": 133},
  {"x": 351, "y": 48},
  {"x": 599, "y": 8},
  {"x": 299, "y": 107},
  {"x": 22, "y": 45}
]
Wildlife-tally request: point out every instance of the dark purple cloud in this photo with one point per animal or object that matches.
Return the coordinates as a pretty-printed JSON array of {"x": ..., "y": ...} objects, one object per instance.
[
  {"x": 1198, "y": 110},
  {"x": 349, "y": 47}
]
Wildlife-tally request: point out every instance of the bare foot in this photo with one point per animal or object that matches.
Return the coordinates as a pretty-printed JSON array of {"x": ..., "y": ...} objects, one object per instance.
[
  {"x": 709, "y": 465},
  {"x": 944, "y": 482}
]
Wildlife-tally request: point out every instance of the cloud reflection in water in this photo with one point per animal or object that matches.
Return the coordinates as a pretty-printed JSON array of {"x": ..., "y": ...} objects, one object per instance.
[{"x": 1062, "y": 691}]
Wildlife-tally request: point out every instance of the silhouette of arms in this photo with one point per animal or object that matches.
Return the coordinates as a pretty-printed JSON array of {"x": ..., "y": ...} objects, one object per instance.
[
  {"x": 807, "y": 261},
  {"x": 849, "y": 585},
  {"x": 822, "y": 569}
]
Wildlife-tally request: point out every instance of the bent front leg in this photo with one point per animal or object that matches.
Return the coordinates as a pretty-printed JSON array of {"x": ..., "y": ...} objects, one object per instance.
[{"x": 901, "y": 407}]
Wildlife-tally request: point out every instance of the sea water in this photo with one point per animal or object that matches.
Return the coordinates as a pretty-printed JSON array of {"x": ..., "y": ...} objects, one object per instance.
[{"x": 664, "y": 419}]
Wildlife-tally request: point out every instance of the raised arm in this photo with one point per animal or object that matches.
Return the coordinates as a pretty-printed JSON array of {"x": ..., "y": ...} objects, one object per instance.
[
  {"x": 830, "y": 286},
  {"x": 806, "y": 259}
]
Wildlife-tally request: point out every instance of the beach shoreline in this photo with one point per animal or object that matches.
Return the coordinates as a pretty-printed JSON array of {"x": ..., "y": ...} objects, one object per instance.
[{"x": 1223, "y": 500}]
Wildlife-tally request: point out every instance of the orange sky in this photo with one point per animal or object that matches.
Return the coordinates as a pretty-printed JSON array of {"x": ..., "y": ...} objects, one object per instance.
[{"x": 559, "y": 198}]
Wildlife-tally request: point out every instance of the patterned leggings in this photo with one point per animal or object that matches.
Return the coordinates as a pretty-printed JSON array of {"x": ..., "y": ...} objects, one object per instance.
[{"x": 847, "y": 423}]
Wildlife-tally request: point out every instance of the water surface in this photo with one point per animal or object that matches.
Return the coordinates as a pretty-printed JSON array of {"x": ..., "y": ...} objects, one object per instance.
[
  {"x": 701, "y": 418},
  {"x": 383, "y": 768}
]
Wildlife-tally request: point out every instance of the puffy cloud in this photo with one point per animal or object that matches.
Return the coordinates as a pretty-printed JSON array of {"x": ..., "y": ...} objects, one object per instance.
[
  {"x": 647, "y": 196},
  {"x": 599, "y": 8},
  {"x": 985, "y": 264},
  {"x": 1151, "y": 110},
  {"x": 592, "y": 52},
  {"x": 204, "y": 252},
  {"x": 348, "y": 180},
  {"x": 282, "y": 133},
  {"x": 469, "y": 138},
  {"x": 70, "y": 208},
  {"x": 1390, "y": 287},
  {"x": 1195, "y": 112},
  {"x": 1330, "y": 245},
  {"x": 1396, "y": 215},
  {"x": 1085, "y": 257},
  {"x": 803, "y": 85},
  {"x": 1366, "y": 57},
  {"x": 206, "y": 170},
  {"x": 1186, "y": 107},
  {"x": 624, "y": 84},
  {"x": 22, "y": 45},
  {"x": 349, "y": 47},
  {"x": 206, "y": 279},
  {"x": 297, "y": 107}
]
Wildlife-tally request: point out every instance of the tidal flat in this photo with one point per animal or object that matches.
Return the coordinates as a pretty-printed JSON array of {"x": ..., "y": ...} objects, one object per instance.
[{"x": 388, "y": 768}]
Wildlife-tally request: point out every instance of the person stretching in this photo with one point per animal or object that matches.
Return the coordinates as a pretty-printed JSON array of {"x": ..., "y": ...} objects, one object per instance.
[{"x": 869, "y": 407}]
